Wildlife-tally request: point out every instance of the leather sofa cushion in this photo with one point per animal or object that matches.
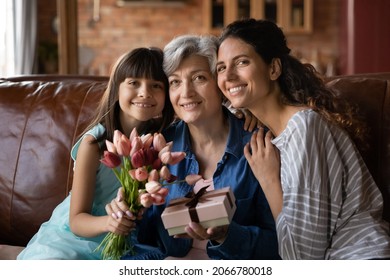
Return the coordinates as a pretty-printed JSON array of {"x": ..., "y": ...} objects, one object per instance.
[{"x": 40, "y": 122}]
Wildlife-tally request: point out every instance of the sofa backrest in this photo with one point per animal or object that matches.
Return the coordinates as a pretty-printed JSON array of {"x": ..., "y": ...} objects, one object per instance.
[
  {"x": 371, "y": 92},
  {"x": 40, "y": 120},
  {"x": 41, "y": 117}
]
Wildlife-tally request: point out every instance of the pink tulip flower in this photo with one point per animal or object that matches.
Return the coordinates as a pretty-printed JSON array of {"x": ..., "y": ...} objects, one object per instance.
[
  {"x": 163, "y": 192},
  {"x": 133, "y": 135},
  {"x": 138, "y": 158},
  {"x": 123, "y": 146},
  {"x": 159, "y": 142},
  {"x": 136, "y": 145},
  {"x": 153, "y": 175},
  {"x": 166, "y": 157},
  {"x": 152, "y": 187},
  {"x": 146, "y": 200},
  {"x": 141, "y": 174},
  {"x": 110, "y": 160},
  {"x": 132, "y": 174},
  {"x": 111, "y": 147},
  {"x": 117, "y": 136},
  {"x": 192, "y": 179},
  {"x": 150, "y": 155},
  {"x": 177, "y": 157},
  {"x": 172, "y": 157},
  {"x": 167, "y": 148},
  {"x": 158, "y": 199},
  {"x": 147, "y": 140},
  {"x": 165, "y": 174},
  {"x": 157, "y": 164}
]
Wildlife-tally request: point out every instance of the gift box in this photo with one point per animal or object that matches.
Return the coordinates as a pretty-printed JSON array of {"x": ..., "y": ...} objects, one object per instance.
[{"x": 210, "y": 209}]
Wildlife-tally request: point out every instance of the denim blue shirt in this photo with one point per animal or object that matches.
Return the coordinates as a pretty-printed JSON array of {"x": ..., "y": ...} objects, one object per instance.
[{"x": 251, "y": 234}]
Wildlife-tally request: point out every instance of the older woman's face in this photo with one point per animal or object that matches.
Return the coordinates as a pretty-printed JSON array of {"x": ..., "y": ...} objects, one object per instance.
[{"x": 193, "y": 91}]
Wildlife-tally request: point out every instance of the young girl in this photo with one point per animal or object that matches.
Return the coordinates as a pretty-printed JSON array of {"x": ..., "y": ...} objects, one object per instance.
[
  {"x": 136, "y": 97},
  {"x": 325, "y": 203}
]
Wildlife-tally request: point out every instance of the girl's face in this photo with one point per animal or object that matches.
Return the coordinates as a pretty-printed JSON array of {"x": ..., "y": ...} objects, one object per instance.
[
  {"x": 243, "y": 76},
  {"x": 193, "y": 91},
  {"x": 141, "y": 99}
]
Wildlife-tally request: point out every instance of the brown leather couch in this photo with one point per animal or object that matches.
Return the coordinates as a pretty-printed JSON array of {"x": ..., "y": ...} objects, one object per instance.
[{"x": 42, "y": 116}]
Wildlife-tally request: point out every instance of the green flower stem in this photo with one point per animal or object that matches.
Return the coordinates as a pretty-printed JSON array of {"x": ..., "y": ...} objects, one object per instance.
[
  {"x": 113, "y": 246},
  {"x": 172, "y": 183}
]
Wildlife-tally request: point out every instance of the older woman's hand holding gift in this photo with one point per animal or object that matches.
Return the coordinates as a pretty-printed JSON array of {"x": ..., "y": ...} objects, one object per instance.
[{"x": 196, "y": 231}]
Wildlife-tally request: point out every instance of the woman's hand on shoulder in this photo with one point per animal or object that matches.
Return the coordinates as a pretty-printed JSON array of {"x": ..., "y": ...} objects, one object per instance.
[{"x": 250, "y": 121}]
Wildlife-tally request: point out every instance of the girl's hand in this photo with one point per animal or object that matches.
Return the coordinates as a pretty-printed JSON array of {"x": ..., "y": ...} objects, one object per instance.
[
  {"x": 121, "y": 225},
  {"x": 120, "y": 219},
  {"x": 118, "y": 207}
]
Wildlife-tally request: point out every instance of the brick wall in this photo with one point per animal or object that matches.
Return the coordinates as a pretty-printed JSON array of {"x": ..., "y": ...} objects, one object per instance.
[
  {"x": 322, "y": 46},
  {"x": 122, "y": 28}
]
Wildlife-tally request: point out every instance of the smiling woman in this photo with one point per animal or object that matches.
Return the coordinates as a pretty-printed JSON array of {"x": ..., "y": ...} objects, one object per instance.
[{"x": 319, "y": 189}]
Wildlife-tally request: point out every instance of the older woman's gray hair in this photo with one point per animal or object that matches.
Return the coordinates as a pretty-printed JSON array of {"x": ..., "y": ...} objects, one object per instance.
[{"x": 186, "y": 45}]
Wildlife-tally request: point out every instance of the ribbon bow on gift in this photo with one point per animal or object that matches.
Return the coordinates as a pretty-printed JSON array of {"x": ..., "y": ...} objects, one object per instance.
[{"x": 195, "y": 198}]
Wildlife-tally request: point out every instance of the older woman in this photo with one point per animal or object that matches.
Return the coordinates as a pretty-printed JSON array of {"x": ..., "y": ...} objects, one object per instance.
[{"x": 213, "y": 140}]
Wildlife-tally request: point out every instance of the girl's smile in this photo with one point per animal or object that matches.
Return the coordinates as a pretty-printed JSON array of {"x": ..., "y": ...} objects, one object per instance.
[{"x": 141, "y": 98}]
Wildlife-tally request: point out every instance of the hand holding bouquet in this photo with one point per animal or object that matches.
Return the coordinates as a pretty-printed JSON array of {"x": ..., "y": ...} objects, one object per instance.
[{"x": 139, "y": 163}]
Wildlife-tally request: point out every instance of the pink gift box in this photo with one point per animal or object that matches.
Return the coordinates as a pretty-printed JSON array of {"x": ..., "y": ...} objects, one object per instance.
[{"x": 213, "y": 208}]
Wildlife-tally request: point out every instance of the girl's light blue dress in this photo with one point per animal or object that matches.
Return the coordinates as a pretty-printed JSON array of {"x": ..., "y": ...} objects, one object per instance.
[{"x": 54, "y": 240}]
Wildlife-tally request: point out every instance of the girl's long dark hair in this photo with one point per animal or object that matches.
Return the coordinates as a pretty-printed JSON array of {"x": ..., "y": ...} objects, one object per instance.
[
  {"x": 300, "y": 83},
  {"x": 140, "y": 62}
]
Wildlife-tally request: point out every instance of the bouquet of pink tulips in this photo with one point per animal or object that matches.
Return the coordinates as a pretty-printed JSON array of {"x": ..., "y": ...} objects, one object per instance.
[{"x": 139, "y": 163}]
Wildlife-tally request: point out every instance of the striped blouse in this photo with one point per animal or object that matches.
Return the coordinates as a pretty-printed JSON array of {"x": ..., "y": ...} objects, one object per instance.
[{"x": 331, "y": 205}]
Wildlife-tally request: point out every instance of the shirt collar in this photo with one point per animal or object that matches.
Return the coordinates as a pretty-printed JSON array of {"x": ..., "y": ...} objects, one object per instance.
[
  {"x": 234, "y": 144},
  {"x": 235, "y": 137}
]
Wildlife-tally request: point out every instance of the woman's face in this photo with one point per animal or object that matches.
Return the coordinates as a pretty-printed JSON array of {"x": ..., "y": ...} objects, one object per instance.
[
  {"x": 141, "y": 99},
  {"x": 243, "y": 76},
  {"x": 193, "y": 91}
]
